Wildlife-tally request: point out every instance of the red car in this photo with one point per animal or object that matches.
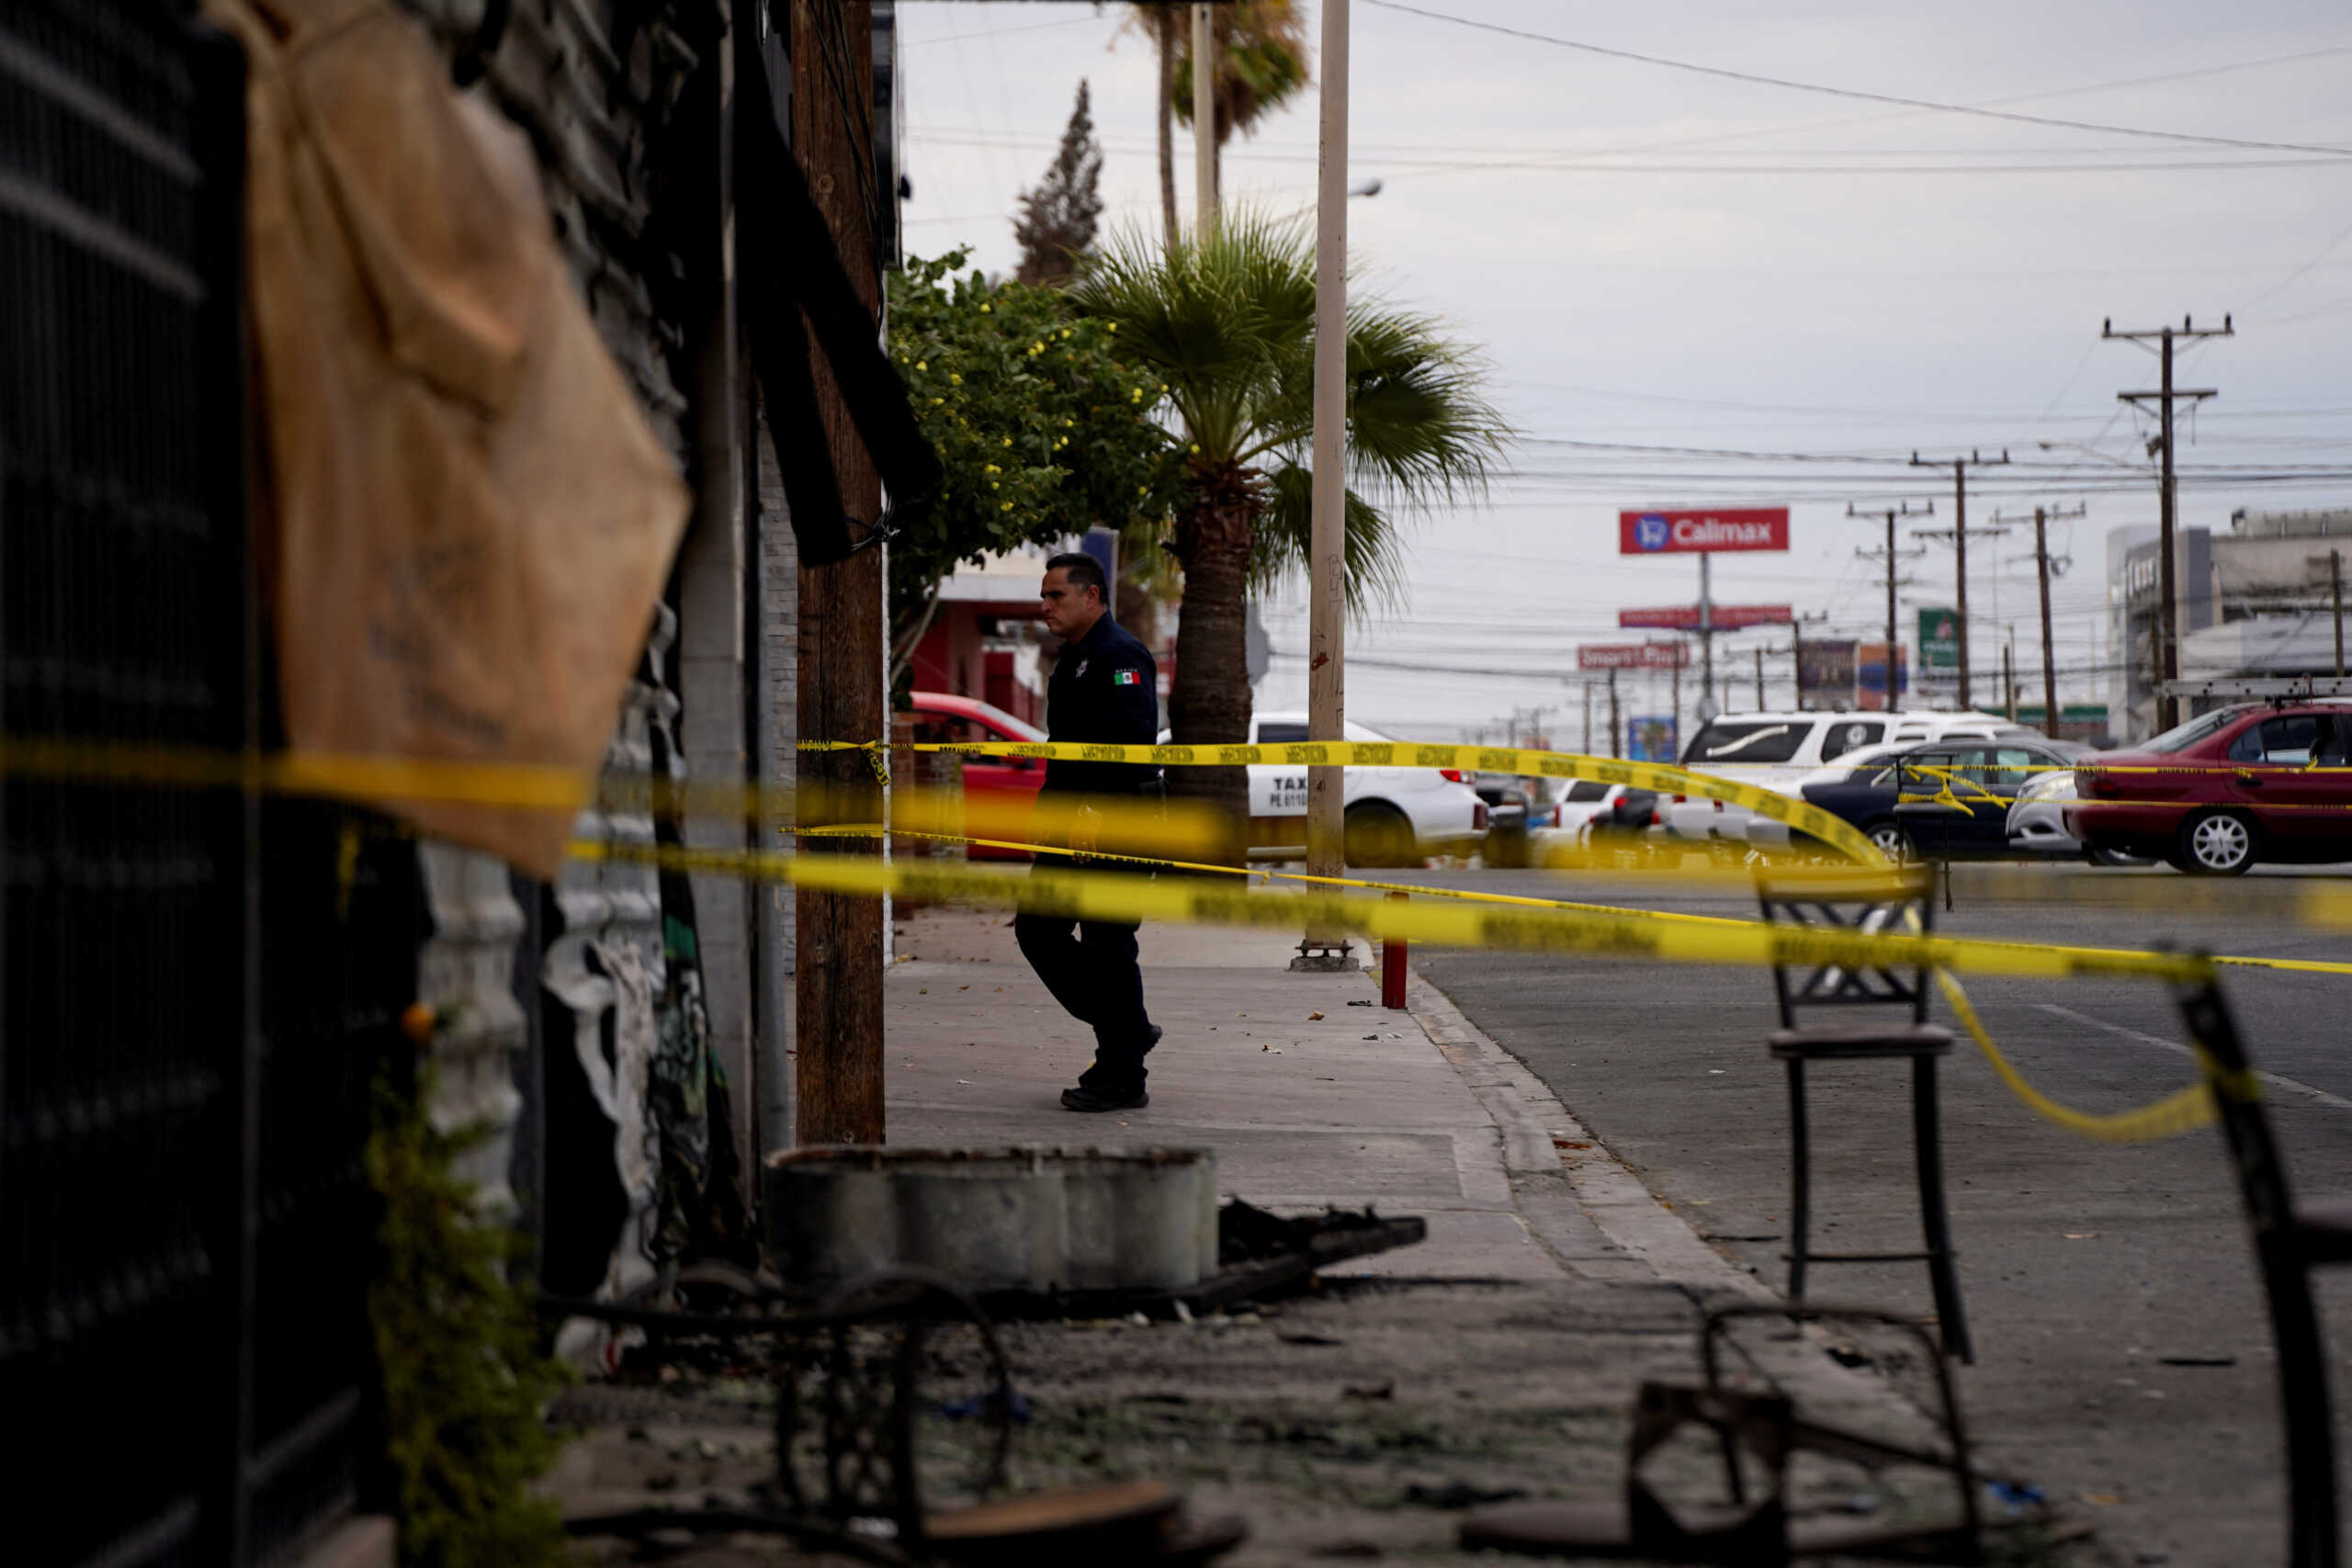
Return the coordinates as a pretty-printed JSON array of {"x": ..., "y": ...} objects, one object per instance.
[
  {"x": 2240, "y": 785},
  {"x": 943, "y": 716}
]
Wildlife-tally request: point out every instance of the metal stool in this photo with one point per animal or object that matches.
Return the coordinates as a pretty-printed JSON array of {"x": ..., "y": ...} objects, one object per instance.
[{"x": 1891, "y": 904}]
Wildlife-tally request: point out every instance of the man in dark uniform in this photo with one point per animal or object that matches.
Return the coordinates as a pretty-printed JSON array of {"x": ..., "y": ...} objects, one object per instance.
[{"x": 1105, "y": 688}]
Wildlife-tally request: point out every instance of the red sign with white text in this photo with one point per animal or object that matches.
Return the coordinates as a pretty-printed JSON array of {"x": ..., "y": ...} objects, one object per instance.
[
  {"x": 1665, "y": 532},
  {"x": 1725, "y": 618},
  {"x": 1632, "y": 656}
]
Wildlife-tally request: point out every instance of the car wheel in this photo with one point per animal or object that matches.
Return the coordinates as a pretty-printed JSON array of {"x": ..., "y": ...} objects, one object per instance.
[
  {"x": 2099, "y": 855},
  {"x": 2215, "y": 843},
  {"x": 1891, "y": 840},
  {"x": 1380, "y": 836}
]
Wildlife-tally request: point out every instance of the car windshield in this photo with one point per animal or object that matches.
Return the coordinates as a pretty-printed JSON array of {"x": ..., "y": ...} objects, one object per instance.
[
  {"x": 1745, "y": 742},
  {"x": 2182, "y": 736}
]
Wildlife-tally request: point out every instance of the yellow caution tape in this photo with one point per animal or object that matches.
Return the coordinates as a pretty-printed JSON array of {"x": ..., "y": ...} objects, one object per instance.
[
  {"x": 1798, "y": 814},
  {"x": 1109, "y": 895},
  {"x": 2185, "y": 1111}
]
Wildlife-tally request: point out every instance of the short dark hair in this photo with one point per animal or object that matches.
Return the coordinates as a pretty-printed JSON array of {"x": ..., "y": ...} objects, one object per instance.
[{"x": 1085, "y": 572}]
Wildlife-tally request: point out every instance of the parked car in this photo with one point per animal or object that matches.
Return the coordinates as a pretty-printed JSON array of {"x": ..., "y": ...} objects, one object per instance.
[
  {"x": 1396, "y": 816},
  {"x": 1776, "y": 751},
  {"x": 1865, "y": 795},
  {"x": 1580, "y": 803},
  {"x": 944, "y": 716},
  {"x": 2236, "y": 786},
  {"x": 2037, "y": 825},
  {"x": 1613, "y": 823},
  {"x": 1970, "y": 820},
  {"x": 1517, "y": 818}
]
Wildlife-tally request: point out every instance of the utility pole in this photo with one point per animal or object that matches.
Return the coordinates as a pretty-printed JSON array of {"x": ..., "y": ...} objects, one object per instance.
[
  {"x": 837, "y": 1082},
  {"x": 1759, "y": 679},
  {"x": 1587, "y": 717},
  {"x": 2167, "y": 494},
  {"x": 1204, "y": 114},
  {"x": 1958, "y": 534},
  {"x": 1326, "y": 499},
  {"x": 2044, "y": 570},
  {"x": 1614, "y": 748},
  {"x": 2335, "y": 597},
  {"x": 1674, "y": 690},
  {"x": 1893, "y": 558},
  {"x": 1796, "y": 657},
  {"x": 2010, "y": 673}
]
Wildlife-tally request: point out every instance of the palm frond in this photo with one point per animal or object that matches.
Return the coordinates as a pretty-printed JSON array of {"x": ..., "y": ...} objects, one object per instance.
[{"x": 1374, "y": 564}]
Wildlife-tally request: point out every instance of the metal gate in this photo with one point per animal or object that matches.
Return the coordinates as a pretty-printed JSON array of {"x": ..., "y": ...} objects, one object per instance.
[{"x": 193, "y": 1000}]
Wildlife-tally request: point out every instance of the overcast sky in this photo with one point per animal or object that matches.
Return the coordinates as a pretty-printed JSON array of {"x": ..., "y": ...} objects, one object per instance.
[{"x": 1649, "y": 256}]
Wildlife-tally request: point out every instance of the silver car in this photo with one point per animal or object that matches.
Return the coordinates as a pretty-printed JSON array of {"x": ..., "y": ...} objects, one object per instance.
[{"x": 2036, "y": 824}]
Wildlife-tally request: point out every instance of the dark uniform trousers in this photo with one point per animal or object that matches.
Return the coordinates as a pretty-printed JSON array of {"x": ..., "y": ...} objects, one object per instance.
[
  {"x": 1090, "y": 966},
  {"x": 1105, "y": 688}
]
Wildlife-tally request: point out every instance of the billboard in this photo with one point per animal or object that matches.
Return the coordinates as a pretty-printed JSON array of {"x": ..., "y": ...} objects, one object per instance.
[
  {"x": 1650, "y": 738},
  {"x": 1939, "y": 639},
  {"x": 1726, "y": 617},
  {"x": 1826, "y": 673},
  {"x": 1665, "y": 531},
  {"x": 1633, "y": 656},
  {"x": 1870, "y": 675}
]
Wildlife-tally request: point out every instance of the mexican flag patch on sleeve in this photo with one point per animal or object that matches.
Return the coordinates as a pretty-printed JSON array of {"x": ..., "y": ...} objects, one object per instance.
[{"x": 1126, "y": 677}]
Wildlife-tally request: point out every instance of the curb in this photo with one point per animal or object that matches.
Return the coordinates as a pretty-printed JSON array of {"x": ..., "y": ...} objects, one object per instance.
[
  {"x": 1577, "y": 1198},
  {"x": 1600, "y": 1223}
]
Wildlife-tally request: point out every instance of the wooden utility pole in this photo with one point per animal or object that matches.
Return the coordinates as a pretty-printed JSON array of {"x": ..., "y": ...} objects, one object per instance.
[
  {"x": 1893, "y": 558},
  {"x": 2168, "y": 496},
  {"x": 2009, "y": 675},
  {"x": 1760, "y": 680},
  {"x": 838, "y": 984},
  {"x": 2335, "y": 597},
  {"x": 1958, "y": 534},
  {"x": 2044, "y": 570},
  {"x": 1614, "y": 748}
]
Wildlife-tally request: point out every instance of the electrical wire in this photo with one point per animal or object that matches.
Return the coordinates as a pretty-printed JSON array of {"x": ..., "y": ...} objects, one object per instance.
[{"x": 1863, "y": 94}]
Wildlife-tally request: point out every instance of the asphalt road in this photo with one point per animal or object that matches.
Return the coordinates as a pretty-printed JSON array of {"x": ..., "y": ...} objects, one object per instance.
[{"x": 2123, "y": 1357}]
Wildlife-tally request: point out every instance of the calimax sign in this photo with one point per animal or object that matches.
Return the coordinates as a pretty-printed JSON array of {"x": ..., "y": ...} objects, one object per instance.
[{"x": 1663, "y": 532}]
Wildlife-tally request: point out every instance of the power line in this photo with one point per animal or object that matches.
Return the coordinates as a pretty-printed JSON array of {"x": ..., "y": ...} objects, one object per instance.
[{"x": 1863, "y": 94}]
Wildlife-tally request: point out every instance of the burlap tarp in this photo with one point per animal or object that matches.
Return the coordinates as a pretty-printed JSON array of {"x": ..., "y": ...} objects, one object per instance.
[{"x": 464, "y": 520}]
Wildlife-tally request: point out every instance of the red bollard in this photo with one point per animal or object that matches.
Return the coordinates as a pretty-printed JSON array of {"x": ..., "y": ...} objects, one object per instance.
[{"x": 1392, "y": 967}]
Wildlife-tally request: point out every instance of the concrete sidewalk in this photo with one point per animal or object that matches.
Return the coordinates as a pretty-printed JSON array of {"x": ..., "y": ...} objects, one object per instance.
[
  {"x": 1309, "y": 1091},
  {"x": 1413, "y": 1111}
]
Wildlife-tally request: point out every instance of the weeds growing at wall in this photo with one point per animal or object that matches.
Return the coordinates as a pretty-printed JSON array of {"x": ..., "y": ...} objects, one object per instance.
[{"x": 463, "y": 1380}]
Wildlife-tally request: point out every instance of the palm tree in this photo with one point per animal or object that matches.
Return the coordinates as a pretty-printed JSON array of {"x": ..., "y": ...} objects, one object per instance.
[
  {"x": 1159, "y": 21},
  {"x": 1228, "y": 325},
  {"x": 1262, "y": 65}
]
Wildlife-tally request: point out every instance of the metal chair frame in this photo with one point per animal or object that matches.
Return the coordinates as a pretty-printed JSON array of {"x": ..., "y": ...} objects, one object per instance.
[
  {"x": 2286, "y": 1248},
  {"x": 1846, "y": 904}
]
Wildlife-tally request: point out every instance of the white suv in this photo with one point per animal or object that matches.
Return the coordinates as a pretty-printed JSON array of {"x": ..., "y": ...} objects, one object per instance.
[{"x": 1777, "y": 750}]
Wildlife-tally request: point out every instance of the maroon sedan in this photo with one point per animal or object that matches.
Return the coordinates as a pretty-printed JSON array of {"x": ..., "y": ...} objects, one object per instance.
[{"x": 2228, "y": 788}]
